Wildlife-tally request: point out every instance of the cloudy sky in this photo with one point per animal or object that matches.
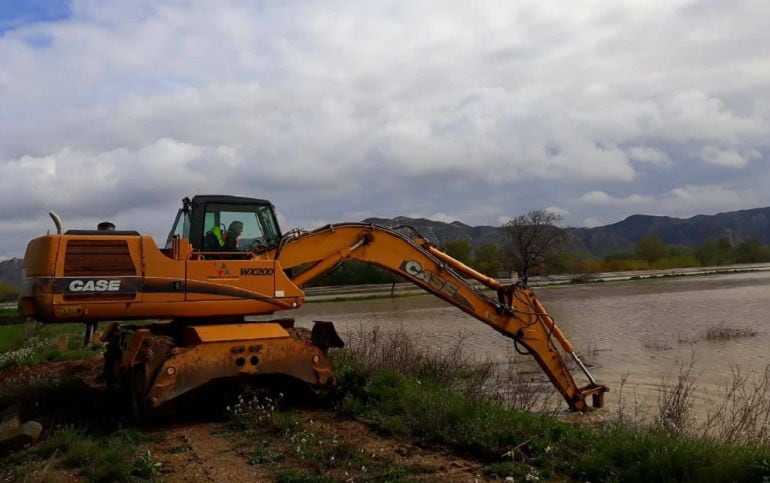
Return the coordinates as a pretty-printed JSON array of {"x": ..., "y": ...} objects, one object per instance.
[{"x": 476, "y": 111}]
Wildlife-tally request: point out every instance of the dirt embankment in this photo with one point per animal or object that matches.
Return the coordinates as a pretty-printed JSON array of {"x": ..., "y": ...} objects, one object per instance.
[
  {"x": 307, "y": 445},
  {"x": 207, "y": 452}
]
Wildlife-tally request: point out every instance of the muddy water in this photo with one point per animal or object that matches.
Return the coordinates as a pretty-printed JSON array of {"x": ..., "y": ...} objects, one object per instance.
[{"x": 640, "y": 331}]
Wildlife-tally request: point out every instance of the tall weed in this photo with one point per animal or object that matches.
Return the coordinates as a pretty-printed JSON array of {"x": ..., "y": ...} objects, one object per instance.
[
  {"x": 675, "y": 400},
  {"x": 396, "y": 350},
  {"x": 741, "y": 413}
]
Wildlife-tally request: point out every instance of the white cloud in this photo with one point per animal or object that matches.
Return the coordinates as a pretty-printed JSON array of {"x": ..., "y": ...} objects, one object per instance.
[
  {"x": 336, "y": 108},
  {"x": 602, "y": 198},
  {"x": 104, "y": 183},
  {"x": 591, "y": 222},
  {"x": 727, "y": 158},
  {"x": 442, "y": 217},
  {"x": 706, "y": 198},
  {"x": 561, "y": 212},
  {"x": 685, "y": 200},
  {"x": 597, "y": 198},
  {"x": 693, "y": 115}
]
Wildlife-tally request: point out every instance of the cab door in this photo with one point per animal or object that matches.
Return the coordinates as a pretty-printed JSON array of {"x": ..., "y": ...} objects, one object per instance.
[{"x": 230, "y": 272}]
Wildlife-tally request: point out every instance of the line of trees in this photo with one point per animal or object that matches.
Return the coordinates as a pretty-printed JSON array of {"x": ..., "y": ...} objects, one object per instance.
[{"x": 652, "y": 253}]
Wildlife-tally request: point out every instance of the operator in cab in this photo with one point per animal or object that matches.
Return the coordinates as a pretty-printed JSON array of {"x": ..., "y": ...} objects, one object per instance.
[
  {"x": 233, "y": 236},
  {"x": 228, "y": 241}
]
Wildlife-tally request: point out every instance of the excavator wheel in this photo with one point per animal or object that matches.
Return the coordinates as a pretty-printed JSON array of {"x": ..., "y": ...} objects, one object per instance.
[
  {"x": 137, "y": 388},
  {"x": 141, "y": 412},
  {"x": 138, "y": 379},
  {"x": 112, "y": 370}
]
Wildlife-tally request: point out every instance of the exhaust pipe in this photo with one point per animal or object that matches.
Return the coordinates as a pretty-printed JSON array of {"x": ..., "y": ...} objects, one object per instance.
[{"x": 56, "y": 221}]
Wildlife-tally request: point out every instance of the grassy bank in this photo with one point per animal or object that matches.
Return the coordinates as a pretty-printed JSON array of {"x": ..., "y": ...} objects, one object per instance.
[
  {"x": 515, "y": 443},
  {"x": 100, "y": 457},
  {"x": 443, "y": 402},
  {"x": 411, "y": 400},
  {"x": 10, "y": 316},
  {"x": 30, "y": 343},
  {"x": 435, "y": 401}
]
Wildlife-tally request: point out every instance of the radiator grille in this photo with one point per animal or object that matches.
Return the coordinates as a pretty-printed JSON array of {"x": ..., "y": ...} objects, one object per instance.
[{"x": 98, "y": 258}]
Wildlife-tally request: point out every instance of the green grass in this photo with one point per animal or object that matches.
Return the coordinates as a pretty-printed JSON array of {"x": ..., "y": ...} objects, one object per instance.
[
  {"x": 300, "y": 452},
  {"x": 435, "y": 416},
  {"x": 10, "y": 316},
  {"x": 31, "y": 343},
  {"x": 12, "y": 336},
  {"x": 114, "y": 457}
]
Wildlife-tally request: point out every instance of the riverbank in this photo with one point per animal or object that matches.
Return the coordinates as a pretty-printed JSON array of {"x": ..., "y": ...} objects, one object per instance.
[{"x": 398, "y": 413}]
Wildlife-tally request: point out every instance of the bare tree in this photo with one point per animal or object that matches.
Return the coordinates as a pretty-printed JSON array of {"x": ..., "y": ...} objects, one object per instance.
[{"x": 532, "y": 240}]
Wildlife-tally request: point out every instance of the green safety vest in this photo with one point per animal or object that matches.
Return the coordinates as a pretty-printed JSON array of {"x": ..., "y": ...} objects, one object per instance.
[{"x": 218, "y": 234}]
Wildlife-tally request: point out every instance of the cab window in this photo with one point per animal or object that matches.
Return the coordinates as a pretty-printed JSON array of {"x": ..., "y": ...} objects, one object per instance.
[
  {"x": 251, "y": 224},
  {"x": 181, "y": 228}
]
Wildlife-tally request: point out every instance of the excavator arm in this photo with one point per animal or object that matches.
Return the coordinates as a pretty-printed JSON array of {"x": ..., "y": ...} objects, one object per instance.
[{"x": 515, "y": 312}]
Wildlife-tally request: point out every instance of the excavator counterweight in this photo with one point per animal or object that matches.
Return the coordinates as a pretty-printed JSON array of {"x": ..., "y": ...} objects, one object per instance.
[{"x": 225, "y": 259}]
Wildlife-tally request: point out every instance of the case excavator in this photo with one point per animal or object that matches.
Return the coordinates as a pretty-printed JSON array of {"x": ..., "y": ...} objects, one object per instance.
[{"x": 226, "y": 259}]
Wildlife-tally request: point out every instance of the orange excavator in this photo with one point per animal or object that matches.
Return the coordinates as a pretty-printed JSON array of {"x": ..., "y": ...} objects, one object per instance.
[{"x": 226, "y": 259}]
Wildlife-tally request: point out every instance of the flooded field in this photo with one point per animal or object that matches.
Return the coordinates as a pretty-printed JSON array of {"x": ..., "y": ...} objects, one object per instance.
[{"x": 640, "y": 331}]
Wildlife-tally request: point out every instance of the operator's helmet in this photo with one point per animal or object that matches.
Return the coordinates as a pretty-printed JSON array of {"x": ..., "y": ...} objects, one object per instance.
[{"x": 236, "y": 227}]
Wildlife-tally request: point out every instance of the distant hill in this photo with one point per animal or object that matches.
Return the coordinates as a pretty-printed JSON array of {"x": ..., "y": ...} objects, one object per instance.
[
  {"x": 599, "y": 241},
  {"x": 736, "y": 226},
  {"x": 622, "y": 236},
  {"x": 440, "y": 232}
]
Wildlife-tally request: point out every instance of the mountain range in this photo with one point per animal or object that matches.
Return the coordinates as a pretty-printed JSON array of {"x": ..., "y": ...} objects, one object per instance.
[{"x": 599, "y": 241}]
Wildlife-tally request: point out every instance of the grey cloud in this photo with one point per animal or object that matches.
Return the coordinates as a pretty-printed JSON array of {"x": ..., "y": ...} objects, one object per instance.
[{"x": 471, "y": 112}]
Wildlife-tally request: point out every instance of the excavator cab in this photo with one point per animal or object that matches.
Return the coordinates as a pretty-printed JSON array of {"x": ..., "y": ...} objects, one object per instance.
[{"x": 205, "y": 215}]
